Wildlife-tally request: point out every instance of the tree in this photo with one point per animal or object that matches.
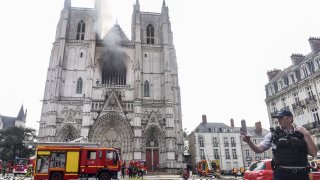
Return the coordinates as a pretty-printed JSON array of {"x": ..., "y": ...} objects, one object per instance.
[{"x": 16, "y": 142}]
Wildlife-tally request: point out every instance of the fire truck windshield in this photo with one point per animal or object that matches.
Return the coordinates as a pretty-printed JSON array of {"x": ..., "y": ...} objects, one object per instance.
[{"x": 20, "y": 161}]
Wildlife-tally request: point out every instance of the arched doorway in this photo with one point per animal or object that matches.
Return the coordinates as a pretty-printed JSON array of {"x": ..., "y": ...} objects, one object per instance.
[
  {"x": 67, "y": 133},
  {"x": 154, "y": 144},
  {"x": 113, "y": 130}
]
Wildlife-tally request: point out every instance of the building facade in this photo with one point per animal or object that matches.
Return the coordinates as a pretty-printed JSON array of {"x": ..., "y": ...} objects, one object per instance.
[
  {"x": 121, "y": 93},
  {"x": 8, "y": 121},
  {"x": 297, "y": 88},
  {"x": 256, "y": 134},
  {"x": 221, "y": 142}
]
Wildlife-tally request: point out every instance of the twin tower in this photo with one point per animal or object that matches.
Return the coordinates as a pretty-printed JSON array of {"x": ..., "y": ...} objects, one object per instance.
[{"x": 109, "y": 89}]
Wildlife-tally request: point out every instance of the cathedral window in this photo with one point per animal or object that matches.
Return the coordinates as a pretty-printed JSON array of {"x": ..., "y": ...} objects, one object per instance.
[
  {"x": 79, "y": 86},
  {"x": 150, "y": 34},
  {"x": 114, "y": 71},
  {"x": 81, "y": 30},
  {"x": 146, "y": 89}
]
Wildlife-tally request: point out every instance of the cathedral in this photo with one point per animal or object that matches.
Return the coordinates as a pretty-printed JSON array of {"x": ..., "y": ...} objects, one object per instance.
[{"x": 118, "y": 92}]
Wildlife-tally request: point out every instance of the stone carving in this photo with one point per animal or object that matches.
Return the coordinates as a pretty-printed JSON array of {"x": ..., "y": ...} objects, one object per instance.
[
  {"x": 94, "y": 115},
  {"x": 111, "y": 104},
  {"x": 67, "y": 133}
]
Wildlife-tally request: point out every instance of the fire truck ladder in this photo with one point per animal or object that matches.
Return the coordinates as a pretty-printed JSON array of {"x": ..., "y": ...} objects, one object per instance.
[
  {"x": 209, "y": 165},
  {"x": 81, "y": 144}
]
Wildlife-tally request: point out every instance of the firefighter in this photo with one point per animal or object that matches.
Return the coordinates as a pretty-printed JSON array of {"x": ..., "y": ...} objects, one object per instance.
[
  {"x": 4, "y": 169},
  {"x": 123, "y": 168},
  {"x": 290, "y": 146},
  {"x": 235, "y": 172},
  {"x": 186, "y": 174},
  {"x": 242, "y": 171}
]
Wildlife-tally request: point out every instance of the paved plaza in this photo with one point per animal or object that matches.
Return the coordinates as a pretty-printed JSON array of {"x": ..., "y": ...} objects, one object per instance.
[{"x": 153, "y": 177}]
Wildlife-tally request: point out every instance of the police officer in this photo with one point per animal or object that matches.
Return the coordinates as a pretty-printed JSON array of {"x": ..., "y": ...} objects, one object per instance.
[{"x": 290, "y": 146}]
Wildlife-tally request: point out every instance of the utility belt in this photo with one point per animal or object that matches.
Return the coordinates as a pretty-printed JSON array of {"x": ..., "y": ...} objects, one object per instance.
[{"x": 293, "y": 170}]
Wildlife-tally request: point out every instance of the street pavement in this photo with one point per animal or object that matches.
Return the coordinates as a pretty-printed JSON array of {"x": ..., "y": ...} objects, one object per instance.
[{"x": 146, "y": 177}]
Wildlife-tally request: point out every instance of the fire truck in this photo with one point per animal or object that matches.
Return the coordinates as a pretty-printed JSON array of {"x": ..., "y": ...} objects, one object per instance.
[
  {"x": 208, "y": 171},
  {"x": 139, "y": 167},
  {"x": 63, "y": 161},
  {"x": 20, "y": 166}
]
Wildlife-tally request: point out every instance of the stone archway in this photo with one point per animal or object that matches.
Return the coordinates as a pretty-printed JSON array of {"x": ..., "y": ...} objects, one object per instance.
[
  {"x": 154, "y": 142},
  {"x": 67, "y": 133},
  {"x": 113, "y": 130}
]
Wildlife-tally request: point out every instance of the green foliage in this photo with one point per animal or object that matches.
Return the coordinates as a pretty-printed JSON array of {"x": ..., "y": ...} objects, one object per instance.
[{"x": 15, "y": 142}]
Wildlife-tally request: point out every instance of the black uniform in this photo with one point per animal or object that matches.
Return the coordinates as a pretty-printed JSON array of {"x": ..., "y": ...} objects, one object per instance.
[{"x": 290, "y": 155}]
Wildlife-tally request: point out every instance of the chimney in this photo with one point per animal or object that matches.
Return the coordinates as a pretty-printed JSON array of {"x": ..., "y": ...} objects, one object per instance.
[
  {"x": 232, "y": 123},
  {"x": 243, "y": 126},
  {"x": 315, "y": 44},
  {"x": 258, "y": 127},
  {"x": 296, "y": 58},
  {"x": 271, "y": 74},
  {"x": 204, "y": 119}
]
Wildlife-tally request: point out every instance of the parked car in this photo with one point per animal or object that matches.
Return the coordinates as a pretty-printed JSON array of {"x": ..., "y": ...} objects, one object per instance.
[
  {"x": 259, "y": 170},
  {"x": 314, "y": 175}
]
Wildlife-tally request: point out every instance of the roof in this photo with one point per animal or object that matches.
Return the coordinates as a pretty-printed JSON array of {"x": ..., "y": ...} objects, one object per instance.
[
  {"x": 116, "y": 35},
  {"x": 210, "y": 127},
  {"x": 223, "y": 128},
  {"x": 251, "y": 131},
  {"x": 8, "y": 121},
  {"x": 21, "y": 114}
]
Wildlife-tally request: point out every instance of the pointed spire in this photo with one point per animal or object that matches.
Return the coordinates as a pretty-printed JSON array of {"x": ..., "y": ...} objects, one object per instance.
[
  {"x": 163, "y": 6},
  {"x": 137, "y": 6},
  {"x": 21, "y": 113},
  {"x": 164, "y": 3},
  {"x": 67, "y": 4}
]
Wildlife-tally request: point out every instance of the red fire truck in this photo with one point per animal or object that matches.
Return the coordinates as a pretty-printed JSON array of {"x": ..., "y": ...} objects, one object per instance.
[
  {"x": 20, "y": 166},
  {"x": 63, "y": 161},
  {"x": 204, "y": 170},
  {"x": 139, "y": 167}
]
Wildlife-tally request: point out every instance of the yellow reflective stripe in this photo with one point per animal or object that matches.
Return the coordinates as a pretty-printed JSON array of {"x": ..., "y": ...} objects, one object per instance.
[
  {"x": 90, "y": 166},
  {"x": 44, "y": 152}
]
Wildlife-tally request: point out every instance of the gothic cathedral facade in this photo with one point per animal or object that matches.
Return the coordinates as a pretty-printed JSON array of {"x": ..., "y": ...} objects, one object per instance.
[{"x": 121, "y": 93}]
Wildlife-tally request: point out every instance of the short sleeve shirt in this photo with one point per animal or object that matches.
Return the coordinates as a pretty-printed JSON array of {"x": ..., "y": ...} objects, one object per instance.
[{"x": 267, "y": 140}]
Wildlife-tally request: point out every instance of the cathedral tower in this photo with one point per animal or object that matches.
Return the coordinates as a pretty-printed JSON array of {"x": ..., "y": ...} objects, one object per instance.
[{"x": 121, "y": 93}]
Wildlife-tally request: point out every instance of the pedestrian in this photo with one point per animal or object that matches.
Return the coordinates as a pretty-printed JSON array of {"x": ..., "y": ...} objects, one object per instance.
[
  {"x": 290, "y": 146},
  {"x": 4, "y": 169},
  {"x": 123, "y": 167},
  {"x": 130, "y": 171},
  {"x": 242, "y": 171},
  {"x": 235, "y": 172},
  {"x": 186, "y": 174}
]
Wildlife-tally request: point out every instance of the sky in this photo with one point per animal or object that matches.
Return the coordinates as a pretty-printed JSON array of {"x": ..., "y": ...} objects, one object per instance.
[{"x": 224, "y": 49}]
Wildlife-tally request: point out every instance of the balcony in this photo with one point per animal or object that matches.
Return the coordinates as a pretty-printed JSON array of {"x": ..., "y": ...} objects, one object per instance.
[
  {"x": 226, "y": 144},
  {"x": 298, "y": 104},
  {"x": 313, "y": 128},
  {"x": 258, "y": 158},
  {"x": 311, "y": 99},
  {"x": 233, "y": 144},
  {"x": 248, "y": 158}
]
